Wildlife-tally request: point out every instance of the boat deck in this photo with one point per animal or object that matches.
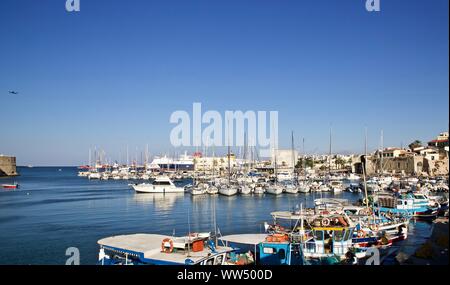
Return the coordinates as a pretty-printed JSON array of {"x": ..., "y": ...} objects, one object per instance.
[{"x": 148, "y": 248}]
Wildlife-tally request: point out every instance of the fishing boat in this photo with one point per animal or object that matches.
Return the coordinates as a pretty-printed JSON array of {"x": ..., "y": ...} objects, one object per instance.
[
  {"x": 155, "y": 249},
  {"x": 405, "y": 204},
  {"x": 10, "y": 186},
  {"x": 162, "y": 184}
]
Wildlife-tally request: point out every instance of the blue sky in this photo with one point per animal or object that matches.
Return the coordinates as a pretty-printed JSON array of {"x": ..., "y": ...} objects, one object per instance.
[{"x": 111, "y": 75}]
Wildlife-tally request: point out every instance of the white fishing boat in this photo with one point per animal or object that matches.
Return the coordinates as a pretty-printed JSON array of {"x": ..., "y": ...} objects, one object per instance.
[{"x": 162, "y": 184}]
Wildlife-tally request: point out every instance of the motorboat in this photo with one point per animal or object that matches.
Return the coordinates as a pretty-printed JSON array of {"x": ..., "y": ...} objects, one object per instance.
[
  {"x": 336, "y": 186},
  {"x": 162, "y": 184},
  {"x": 10, "y": 186},
  {"x": 94, "y": 175}
]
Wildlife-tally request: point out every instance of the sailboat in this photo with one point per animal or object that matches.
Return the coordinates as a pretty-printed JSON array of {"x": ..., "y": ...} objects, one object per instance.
[
  {"x": 291, "y": 188},
  {"x": 274, "y": 188},
  {"x": 228, "y": 189}
]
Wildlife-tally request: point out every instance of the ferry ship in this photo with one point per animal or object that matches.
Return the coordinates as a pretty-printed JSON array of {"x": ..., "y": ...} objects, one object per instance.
[{"x": 184, "y": 163}]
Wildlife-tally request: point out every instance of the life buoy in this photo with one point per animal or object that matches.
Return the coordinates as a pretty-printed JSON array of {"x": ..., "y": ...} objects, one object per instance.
[
  {"x": 361, "y": 233},
  {"x": 374, "y": 227},
  {"x": 325, "y": 222},
  {"x": 167, "y": 245}
]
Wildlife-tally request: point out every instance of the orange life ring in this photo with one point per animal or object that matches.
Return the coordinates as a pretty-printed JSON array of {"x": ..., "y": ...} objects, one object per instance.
[
  {"x": 361, "y": 233},
  {"x": 164, "y": 247}
]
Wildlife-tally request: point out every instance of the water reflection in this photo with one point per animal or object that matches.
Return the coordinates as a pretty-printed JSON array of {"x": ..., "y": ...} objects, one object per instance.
[{"x": 159, "y": 201}]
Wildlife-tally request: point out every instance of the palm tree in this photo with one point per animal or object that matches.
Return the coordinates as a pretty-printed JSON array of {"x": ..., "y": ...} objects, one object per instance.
[{"x": 415, "y": 144}]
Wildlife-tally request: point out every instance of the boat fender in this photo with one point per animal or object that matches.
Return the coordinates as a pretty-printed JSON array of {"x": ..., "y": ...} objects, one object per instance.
[
  {"x": 342, "y": 221},
  {"x": 167, "y": 245},
  {"x": 325, "y": 222}
]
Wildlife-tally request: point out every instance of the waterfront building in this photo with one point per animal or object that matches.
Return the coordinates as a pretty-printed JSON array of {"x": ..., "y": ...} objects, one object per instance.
[{"x": 8, "y": 166}]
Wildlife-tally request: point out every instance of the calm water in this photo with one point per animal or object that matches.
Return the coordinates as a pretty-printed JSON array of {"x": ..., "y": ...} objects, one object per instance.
[{"x": 54, "y": 210}]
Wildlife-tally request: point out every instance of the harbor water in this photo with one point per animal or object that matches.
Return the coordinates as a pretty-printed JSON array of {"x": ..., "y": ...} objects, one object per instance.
[{"x": 54, "y": 209}]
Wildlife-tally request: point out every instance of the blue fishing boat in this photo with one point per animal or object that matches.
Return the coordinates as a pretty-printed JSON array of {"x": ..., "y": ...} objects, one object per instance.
[
  {"x": 410, "y": 204},
  {"x": 154, "y": 249}
]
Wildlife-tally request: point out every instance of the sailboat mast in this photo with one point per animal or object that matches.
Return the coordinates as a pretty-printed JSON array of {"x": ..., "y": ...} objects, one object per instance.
[
  {"x": 229, "y": 166},
  {"x": 329, "y": 156},
  {"x": 293, "y": 156}
]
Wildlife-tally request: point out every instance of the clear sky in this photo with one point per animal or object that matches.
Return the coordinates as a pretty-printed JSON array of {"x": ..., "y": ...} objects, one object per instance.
[{"x": 111, "y": 74}]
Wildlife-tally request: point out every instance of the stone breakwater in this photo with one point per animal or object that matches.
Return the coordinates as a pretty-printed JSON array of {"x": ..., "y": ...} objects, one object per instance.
[{"x": 8, "y": 166}]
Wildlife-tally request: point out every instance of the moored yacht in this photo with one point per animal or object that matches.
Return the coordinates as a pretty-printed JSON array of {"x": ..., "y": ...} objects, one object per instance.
[
  {"x": 274, "y": 189},
  {"x": 161, "y": 184},
  {"x": 228, "y": 190}
]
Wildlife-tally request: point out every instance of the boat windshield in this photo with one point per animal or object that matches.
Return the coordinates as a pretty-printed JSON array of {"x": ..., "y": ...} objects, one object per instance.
[{"x": 161, "y": 183}]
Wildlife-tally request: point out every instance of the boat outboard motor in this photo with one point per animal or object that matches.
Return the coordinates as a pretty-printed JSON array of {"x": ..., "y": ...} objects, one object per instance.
[{"x": 212, "y": 246}]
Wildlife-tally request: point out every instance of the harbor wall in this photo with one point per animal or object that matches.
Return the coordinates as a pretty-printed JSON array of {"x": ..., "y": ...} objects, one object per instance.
[
  {"x": 8, "y": 166},
  {"x": 409, "y": 165}
]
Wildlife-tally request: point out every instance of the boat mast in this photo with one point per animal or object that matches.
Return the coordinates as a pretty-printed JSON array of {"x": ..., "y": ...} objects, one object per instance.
[
  {"x": 229, "y": 166},
  {"x": 329, "y": 156},
  {"x": 293, "y": 156},
  {"x": 304, "y": 159}
]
